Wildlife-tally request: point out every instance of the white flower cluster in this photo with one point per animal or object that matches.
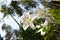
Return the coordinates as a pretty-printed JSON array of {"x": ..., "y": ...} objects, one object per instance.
[{"x": 28, "y": 18}]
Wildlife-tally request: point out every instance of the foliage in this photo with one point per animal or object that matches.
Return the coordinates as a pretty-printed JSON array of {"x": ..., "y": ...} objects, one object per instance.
[
  {"x": 29, "y": 4},
  {"x": 56, "y": 14},
  {"x": 54, "y": 33},
  {"x": 16, "y": 7},
  {"x": 38, "y": 21},
  {"x": 30, "y": 34},
  {"x": 52, "y": 30}
]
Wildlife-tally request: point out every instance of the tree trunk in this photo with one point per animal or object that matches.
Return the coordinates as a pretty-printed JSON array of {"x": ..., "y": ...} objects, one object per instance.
[
  {"x": 15, "y": 20},
  {"x": 53, "y": 4},
  {"x": 55, "y": 0}
]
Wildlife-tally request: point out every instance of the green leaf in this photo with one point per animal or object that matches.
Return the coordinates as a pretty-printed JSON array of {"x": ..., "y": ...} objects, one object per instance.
[
  {"x": 37, "y": 21},
  {"x": 46, "y": 29},
  {"x": 56, "y": 14}
]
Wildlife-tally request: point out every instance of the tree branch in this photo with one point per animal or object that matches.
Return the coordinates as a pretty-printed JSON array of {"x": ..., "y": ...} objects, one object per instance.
[{"x": 15, "y": 20}]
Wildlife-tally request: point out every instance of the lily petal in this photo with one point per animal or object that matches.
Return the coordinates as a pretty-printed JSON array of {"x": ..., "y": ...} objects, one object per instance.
[
  {"x": 42, "y": 33},
  {"x": 32, "y": 25},
  {"x": 45, "y": 23},
  {"x": 38, "y": 26},
  {"x": 25, "y": 26},
  {"x": 41, "y": 12},
  {"x": 34, "y": 16},
  {"x": 41, "y": 30}
]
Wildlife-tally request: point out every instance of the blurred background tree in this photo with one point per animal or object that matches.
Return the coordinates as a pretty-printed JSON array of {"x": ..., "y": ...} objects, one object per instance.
[{"x": 29, "y": 34}]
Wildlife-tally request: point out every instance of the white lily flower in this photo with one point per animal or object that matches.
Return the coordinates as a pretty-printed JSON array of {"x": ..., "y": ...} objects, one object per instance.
[
  {"x": 45, "y": 24},
  {"x": 27, "y": 20},
  {"x": 41, "y": 13}
]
